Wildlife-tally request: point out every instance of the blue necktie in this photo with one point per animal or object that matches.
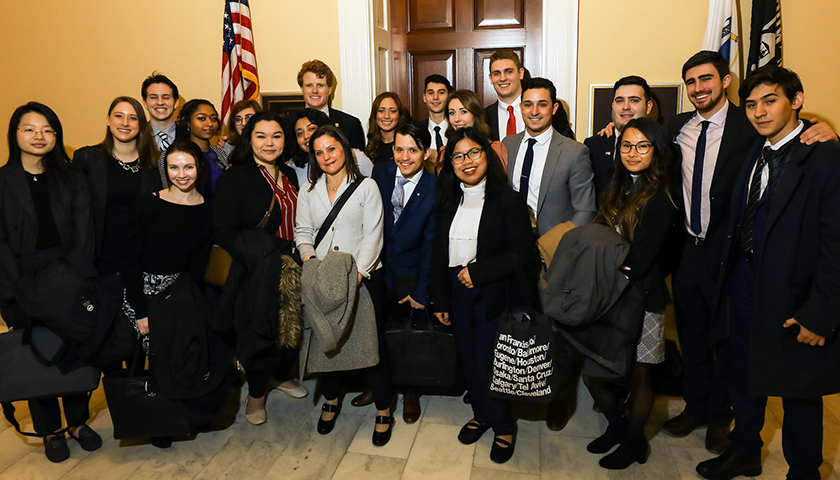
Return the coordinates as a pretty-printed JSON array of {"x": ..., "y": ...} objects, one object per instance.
[
  {"x": 397, "y": 197},
  {"x": 697, "y": 180},
  {"x": 526, "y": 168}
]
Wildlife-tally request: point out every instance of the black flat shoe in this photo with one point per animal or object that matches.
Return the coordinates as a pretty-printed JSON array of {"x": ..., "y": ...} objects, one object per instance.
[
  {"x": 326, "y": 426},
  {"x": 612, "y": 437},
  {"x": 88, "y": 439},
  {"x": 381, "y": 438},
  {"x": 471, "y": 432},
  {"x": 502, "y": 450},
  {"x": 729, "y": 465},
  {"x": 56, "y": 449},
  {"x": 162, "y": 442},
  {"x": 628, "y": 452}
]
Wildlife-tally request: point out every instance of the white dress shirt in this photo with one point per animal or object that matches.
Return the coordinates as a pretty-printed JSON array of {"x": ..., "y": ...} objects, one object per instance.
[
  {"x": 410, "y": 185},
  {"x": 504, "y": 114},
  {"x": 443, "y": 126},
  {"x": 535, "y": 177},
  {"x": 463, "y": 234},
  {"x": 687, "y": 140},
  {"x": 765, "y": 172}
]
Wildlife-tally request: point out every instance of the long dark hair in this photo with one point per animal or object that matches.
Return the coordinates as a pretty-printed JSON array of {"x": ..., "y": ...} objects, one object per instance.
[
  {"x": 56, "y": 163},
  {"x": 449, "y": 185},
  {"x": 244, "y": 151},
  {"x": 315, "y": 117},
  {"x": 374, "y": 135},
  {"x": 623, "y": 199},
  {"x": 145, "y": 143},
  {"x": 315, "y": 171},
  {"x": 187, "y": 146}
]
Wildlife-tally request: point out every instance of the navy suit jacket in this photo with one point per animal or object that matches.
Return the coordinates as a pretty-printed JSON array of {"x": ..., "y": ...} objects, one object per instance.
[
  {"x": 408, "y": 243},
  {"x": 602, "y": 155}
]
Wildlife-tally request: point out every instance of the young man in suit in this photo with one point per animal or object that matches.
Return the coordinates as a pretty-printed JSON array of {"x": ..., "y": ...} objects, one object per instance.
[
  {"x": 779, "y": 281},
  {"x": 317, "y": 83},
  {"x": 436, "y": 90},
  {"x": 160, "y": 94},
  {"x": 504, "y": 115},
  {"x": 631, "y": 99},
  {"x": 714, "y": 141},
  {"x": 554, "y": 176}
]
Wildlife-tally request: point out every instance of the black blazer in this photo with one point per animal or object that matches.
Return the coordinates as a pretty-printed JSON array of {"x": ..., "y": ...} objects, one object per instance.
[
  {"x": 738, "y": 137},
  {"x": 505, "y": 238},
  {"x": 71, "y": 209},
  {"x": 602, "y": 155},
  {"x": 560, "y": 121},
  {"x": 94, "y": 161},
  {"x": 797, "y": 274}
]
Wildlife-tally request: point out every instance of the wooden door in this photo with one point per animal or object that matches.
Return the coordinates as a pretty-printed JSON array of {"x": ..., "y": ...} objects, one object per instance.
[{"x": 455, "y": 38}]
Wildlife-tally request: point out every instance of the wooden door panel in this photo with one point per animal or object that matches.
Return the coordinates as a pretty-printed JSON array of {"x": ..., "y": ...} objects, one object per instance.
[
  {"x": 499, "y": 14},
  {"x": 423, "y": 64},
  {"x": 435, "y": 15}
]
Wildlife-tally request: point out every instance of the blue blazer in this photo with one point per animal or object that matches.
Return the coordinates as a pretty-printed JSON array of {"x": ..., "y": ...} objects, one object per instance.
[{"x": 408, "y": 243}]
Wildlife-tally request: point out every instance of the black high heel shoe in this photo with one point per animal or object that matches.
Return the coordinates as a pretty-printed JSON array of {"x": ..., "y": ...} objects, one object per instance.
[
  {"x": 381, "y": 438},
  {"x": 629, "y": 450},
  {"x": 326, "y": 426}
]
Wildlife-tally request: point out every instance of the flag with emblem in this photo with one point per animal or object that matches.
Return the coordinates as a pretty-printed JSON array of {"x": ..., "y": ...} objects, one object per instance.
[
  {"x": 765, "y": 34},
  {"x": 239, "y": 59},
  {"x": 722, "y": 33}
]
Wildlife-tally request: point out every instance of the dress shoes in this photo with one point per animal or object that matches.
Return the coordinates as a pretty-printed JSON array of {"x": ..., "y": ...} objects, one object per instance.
[
  {"x": 629, "y": 451},
  {"x": 556, "y": 415},
  {"x": 717, "y": 438},
  {"x": 471, "y": 432},
  {"x": 326, "y": 426},
  {"x": 87, "y": 438},
  {"x": 56, "y": 449},
  {"x": 682, "y": 425},
  {"x": 728, "y": 466},
  {"x": 381, "y": 438},
  {"x": 363, "y": 399},
  {"x": 411, "y": 408},
  {"x": 502, "y": 450}
]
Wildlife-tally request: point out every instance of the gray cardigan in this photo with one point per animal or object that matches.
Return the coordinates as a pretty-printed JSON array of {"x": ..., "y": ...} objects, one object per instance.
[{"x": 357, "y": 230}]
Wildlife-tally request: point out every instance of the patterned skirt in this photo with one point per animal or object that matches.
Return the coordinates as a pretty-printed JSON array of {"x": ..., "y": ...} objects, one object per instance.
[
  {"x": 153, "y": 284},
  {"x": 651, "y": 347}
]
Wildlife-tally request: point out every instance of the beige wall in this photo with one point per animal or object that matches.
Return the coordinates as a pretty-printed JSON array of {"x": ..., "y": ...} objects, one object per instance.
[
  {"x": 77, "y": 56},
  {"x": 673, "y": 30}
]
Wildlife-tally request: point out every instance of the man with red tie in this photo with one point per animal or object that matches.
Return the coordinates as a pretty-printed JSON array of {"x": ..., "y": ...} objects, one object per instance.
[{"x": 504, "y": 116}]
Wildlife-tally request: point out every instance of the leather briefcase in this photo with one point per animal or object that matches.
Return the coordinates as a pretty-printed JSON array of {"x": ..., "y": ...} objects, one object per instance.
[{"x": 421, "y": 355}]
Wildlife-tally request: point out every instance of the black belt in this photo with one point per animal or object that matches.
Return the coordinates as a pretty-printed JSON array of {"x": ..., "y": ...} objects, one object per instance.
[{"x": 696, "y": 241}]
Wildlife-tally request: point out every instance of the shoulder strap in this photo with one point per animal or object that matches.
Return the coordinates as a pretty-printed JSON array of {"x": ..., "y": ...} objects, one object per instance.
[
  {"x": 265, "y": 218},
  {"x": 335, "y": 209}
]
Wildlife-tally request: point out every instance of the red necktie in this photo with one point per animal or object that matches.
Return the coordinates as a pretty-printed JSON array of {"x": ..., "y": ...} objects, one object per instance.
[{"x": 511, "y": 126}]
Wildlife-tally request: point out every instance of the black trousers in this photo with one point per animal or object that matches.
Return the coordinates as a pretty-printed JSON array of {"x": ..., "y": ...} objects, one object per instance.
[
  {"x": 475, "y": 339},
  {"x": 379, "y": 375},
  {"x": 705, "y": 391},
  {"x": 258, "y": 378},
  {"x": 802, "y": 428}
]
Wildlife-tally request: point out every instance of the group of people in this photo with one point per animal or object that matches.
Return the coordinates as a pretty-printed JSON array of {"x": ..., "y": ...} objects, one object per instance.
[{"x": 438, "y": 216}]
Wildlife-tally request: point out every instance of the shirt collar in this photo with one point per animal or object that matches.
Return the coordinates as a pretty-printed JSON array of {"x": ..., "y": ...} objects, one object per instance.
[
  {"x": 718, "y": 119},
  {"x": 443, "y": 125},
  {"x": 504, "y": 106},
  {"x": 415, "y": 179},
  {"x": 790, "y": 136},
  {"x": 170, "y": 131},
  {"x": 542, "y": 138}
]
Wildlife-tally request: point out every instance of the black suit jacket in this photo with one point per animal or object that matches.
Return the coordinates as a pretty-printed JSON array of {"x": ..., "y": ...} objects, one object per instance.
[
  {"x": 505, "y": 238},
  {"x": 94, "y": 161},
  {"x": 602, "y": 155},
  {"x": 738, "y": 137},
  {"x": 560, "y": 121},
  {"x": 798, "y": 274},
  {"x": 71, "y": 210}
]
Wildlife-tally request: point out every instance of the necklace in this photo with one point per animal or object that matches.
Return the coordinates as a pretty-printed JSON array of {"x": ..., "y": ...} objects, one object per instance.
[
  {"x": 331, "y": 188},
  {"x": 131, "y": 168}
]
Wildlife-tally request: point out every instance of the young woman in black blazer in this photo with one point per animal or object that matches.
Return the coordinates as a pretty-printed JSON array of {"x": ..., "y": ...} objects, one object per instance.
[
  {"x": 637, "y": 202},
  {"x": 483, "y": 231},
  {"x": 243, "y": 196},
  {"x": 45, "y": 213}
]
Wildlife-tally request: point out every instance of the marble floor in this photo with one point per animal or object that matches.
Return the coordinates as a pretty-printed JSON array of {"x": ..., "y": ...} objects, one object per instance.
[{"x": 287, "y": 447}]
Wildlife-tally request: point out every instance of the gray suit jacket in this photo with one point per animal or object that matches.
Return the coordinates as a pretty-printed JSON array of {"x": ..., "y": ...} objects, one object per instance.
[{"x": 567, "y": 190}]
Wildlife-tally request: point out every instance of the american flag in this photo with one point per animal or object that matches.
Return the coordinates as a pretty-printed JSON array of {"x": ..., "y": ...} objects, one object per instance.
[{"x": 239, "y": 60}]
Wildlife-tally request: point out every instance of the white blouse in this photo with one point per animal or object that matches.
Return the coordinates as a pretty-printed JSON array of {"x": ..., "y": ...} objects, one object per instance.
[{"x": 463, "y": 234}]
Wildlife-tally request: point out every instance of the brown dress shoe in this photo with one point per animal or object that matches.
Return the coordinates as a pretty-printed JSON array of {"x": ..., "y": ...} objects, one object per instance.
[
  {"x": 411, "y": 408},
  {"x": 682, "y": 425},
  {"x": 363, "y": 399},
  {"x": 717, "y": 438},
  {"x": 556, "y": 416}
]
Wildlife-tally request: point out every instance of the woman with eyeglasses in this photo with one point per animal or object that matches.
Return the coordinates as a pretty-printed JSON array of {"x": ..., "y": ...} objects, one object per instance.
[
  {"x": 240, "y": 114},
  {"x": 45, "y": 214},
  {"x": 638, "y": 204},
  {"x": 464, "y": 110},
  {"x": 483, "y": 230}
]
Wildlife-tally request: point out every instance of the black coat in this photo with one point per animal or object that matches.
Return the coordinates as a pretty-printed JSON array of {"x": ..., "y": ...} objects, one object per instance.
[
  {"x": 93, "y": 161},
  {"x": 71, "y": 209},
  {"x": 505, "y": 237},
  {"x": 798, "y": 274}
]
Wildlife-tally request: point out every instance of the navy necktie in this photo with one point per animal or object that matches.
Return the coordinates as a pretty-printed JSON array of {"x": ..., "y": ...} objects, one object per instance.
[
  {"x": 526, "y": 169},
  {"x": 697, "y": 180}
]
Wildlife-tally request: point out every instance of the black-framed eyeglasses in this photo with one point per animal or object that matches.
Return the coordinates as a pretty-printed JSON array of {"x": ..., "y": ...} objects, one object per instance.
[
  {"x": 642, "y": 148},
  {"x": 473, "y": 154},
  {"x": 239, "y": 120}
]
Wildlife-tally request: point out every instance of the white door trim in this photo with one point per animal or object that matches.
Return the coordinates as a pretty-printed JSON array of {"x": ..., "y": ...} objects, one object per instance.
[{"x": 560, "y": 46}]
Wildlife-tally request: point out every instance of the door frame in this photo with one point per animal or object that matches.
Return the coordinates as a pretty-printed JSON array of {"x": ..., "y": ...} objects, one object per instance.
[{"x": 357, "y": 53}]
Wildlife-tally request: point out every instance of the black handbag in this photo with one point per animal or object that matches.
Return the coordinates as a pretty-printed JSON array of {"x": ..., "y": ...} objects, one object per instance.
[
  {"x": 525, "y": 354},
  {"x": 137, "y": 411},
  {"x": 422, "y": 355}
]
